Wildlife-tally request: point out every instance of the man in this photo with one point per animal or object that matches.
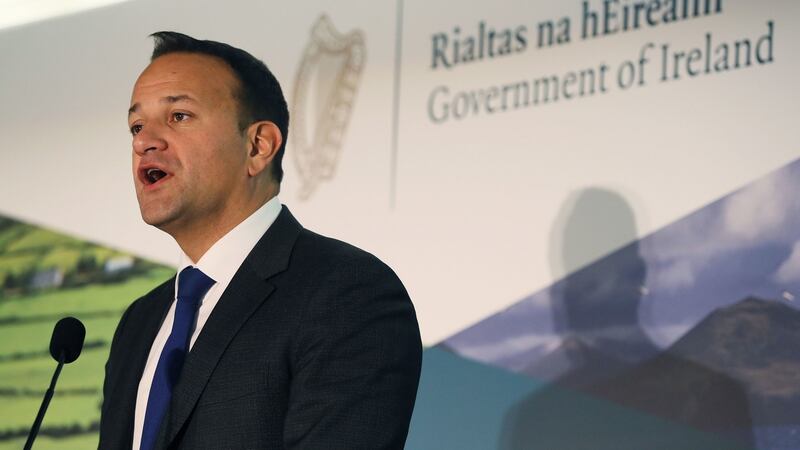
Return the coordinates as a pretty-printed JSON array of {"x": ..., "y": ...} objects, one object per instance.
[{"x": 270, "y": 336}]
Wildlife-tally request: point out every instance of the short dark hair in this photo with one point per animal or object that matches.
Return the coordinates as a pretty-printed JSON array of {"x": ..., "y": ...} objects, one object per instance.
[{"x": 260, "y": 96}]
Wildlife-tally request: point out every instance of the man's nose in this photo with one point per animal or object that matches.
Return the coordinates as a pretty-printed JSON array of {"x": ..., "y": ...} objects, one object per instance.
[{"x": 148, "y": 139}]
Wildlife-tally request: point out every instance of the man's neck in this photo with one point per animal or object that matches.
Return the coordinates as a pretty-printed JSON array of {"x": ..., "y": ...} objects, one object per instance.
[{"x": 196, "y": 240}]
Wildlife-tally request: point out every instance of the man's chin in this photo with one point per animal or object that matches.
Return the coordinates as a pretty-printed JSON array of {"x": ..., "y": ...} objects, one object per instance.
[{"x": 158, "y": 219}]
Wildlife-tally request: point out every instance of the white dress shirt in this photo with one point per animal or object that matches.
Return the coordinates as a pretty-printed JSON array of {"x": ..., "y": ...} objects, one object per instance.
[{"x": 220, "y": 263}]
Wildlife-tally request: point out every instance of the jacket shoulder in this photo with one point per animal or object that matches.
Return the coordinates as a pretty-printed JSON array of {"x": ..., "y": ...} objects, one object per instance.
[{"x": 327, "y": 255}]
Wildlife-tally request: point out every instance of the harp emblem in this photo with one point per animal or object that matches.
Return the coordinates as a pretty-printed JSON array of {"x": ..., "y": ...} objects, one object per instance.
[{"x": 325, "y": 87}]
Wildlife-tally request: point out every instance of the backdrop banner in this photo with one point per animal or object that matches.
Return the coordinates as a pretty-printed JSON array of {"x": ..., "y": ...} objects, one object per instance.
[{"x": 591, "y": 203}]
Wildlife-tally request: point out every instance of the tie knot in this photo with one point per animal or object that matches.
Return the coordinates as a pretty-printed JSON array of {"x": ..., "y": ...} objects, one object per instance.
[{"x": 193, "y": 285}]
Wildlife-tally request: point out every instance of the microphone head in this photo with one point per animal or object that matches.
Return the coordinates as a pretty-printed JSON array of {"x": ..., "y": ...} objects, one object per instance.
[{"x": 67, "y": 340}]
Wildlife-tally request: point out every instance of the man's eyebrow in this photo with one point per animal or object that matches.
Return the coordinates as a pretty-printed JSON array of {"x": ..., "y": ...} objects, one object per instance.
[
  {"x": 177, "y": 98},
  {"x": 168, "y": 99}
]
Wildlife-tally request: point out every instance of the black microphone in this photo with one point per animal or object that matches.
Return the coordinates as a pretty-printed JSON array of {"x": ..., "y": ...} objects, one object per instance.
[{"x": 65, "y": 347}]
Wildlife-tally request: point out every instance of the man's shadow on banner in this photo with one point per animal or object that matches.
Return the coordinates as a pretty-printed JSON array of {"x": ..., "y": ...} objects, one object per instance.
[{"x": 610, "y": 386}]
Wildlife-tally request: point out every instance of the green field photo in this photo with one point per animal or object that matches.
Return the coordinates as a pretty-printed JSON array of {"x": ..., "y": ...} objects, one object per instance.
[{"x": 45, "y": 276}]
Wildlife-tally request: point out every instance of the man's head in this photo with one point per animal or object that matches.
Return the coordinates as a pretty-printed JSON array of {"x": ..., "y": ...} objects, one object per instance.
[
  {"x": 259, "y": 95},
  {"x": 209, "y": 125}
]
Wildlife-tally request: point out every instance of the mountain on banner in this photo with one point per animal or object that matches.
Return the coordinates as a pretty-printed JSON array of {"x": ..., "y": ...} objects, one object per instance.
[
  {"x": 732, "y": 380},
  {"x": 576, "y": 363},
  {"x": 735, "y": 370},
  {"x": 757, "y": 343}
]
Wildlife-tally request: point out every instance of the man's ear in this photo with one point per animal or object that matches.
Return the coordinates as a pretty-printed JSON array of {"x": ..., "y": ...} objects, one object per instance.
[{"x": 264, "y": 139}]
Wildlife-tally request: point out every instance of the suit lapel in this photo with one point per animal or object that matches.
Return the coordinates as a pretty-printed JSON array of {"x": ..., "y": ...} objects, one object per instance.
[
  {"x": 153, "y": 309},
  {"x": 248, "y": 289}
]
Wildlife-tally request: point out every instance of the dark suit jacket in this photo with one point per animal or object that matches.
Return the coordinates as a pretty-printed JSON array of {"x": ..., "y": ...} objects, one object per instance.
[{"x": 313, "y": 345}]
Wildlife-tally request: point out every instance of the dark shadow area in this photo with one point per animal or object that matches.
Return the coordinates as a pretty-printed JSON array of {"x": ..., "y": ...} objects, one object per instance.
[{"x": 610, "y": 386}]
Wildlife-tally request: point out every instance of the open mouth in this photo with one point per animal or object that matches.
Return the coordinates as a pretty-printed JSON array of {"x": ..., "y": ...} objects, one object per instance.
[{"x": 152, "y": 175}]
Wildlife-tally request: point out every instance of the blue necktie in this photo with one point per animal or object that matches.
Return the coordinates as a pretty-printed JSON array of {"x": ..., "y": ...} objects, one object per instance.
[{"x": 192, "y": 286}]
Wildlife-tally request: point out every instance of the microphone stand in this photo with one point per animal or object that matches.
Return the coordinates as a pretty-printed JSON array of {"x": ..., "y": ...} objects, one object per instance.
[{"x": 45, "y": 403}]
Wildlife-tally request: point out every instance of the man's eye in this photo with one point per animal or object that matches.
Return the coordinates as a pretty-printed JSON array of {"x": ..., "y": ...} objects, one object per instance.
[
  {"x": 179, "y": 116},
  {"x": 136, "y": 129}
]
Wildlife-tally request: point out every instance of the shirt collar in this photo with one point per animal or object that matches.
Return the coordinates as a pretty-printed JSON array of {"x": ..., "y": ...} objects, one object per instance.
[{"x": 223, "y": 259}]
